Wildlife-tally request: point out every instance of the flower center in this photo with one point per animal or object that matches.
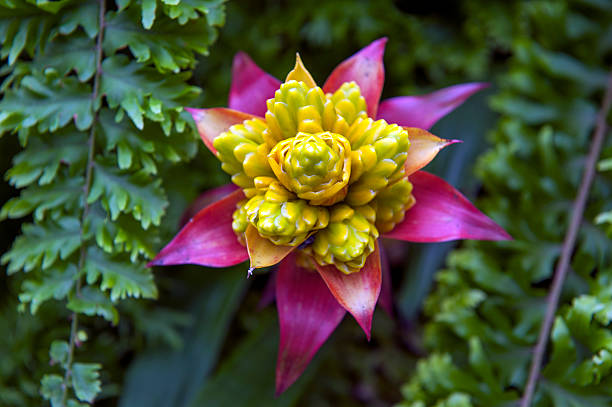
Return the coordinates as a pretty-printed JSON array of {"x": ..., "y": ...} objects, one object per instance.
[
  {"x": 311, "y": 160},
  {"x": 316, "y": 167}
]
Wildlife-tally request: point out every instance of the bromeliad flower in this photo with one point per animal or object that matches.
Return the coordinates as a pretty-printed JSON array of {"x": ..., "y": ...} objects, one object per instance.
[{"x": 319, "y": 175}]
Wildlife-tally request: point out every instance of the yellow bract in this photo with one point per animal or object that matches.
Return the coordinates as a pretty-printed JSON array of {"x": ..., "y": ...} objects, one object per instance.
[
  {"x": 285, "y": 222},
  {"x": 317, "y": 166},
  {"x": 348, "y": 240},
  {"x": 391, "y": 205}
]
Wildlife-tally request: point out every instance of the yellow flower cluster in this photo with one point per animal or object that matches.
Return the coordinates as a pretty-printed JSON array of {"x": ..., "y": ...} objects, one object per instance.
[{"x": 318, "y": 166}]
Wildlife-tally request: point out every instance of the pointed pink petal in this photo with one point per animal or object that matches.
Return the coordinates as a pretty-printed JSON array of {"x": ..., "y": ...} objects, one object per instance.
[
  {"x": 251, "y": 86},
  {"x": 366, "y": 69},
  {"x": 441, "y": 213},
  {"x": 386, "y": 296},
  {"x": 356, "y": 292},
  {"x": 425, "y": 110},
  {"x": 307, "y": 314},
  {"x": 205, "y": 199},
  {"x": 212, "y": 122},
  {"x": 207, "y": 239}
]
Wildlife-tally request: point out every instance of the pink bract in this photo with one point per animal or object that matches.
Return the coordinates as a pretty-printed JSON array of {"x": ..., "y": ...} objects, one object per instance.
[{"x": 311, "y": 303}]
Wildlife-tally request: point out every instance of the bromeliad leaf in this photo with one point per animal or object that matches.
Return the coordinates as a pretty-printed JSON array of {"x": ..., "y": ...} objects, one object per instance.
[
  {"x": 86, "y": 380},
  {"x": 42, "y": 244},
  {"x": 135, "y": 194},
  {"x": 119, "y": 275}
]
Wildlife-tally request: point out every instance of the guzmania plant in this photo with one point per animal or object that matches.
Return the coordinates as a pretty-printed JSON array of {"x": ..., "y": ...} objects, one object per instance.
[{"x": 320, "y": 174}]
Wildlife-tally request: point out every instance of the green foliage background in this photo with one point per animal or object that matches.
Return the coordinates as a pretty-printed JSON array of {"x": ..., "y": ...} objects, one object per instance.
[{"x": 190, "y": 336}]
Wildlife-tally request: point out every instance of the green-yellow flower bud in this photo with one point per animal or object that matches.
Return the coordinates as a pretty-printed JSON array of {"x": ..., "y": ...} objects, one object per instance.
[
  {"x": 288, "y": 222},
  {"x": 243, "y": 153},
  {"x": 348, "y": 240},
  {"x": 239, "y": 221},
  {"x": 316, "y": 167},
  {"x": 391, "y": 205},
  {"x": 349, "y": 103},
  {"x": 379, "y": 153},
  {"x": 294, "y": 108}
]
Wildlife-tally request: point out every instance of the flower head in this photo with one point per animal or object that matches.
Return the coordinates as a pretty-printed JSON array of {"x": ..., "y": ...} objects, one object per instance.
[
  {"x": 317, "y": 165},
  {"x": 320, "y": 174}
]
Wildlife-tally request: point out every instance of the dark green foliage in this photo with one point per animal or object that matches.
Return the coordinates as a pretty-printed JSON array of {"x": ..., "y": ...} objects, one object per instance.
[
  {"x": 189, "y": 346},
  {"x": 488, "y": 306},
  {"x": 89, "y": 94}
]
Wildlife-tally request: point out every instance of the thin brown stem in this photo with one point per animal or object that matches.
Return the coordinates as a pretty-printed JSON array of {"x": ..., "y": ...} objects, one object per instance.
[
  {"x": 568, "y": 246},
  {"x": 74, "y": 326}
]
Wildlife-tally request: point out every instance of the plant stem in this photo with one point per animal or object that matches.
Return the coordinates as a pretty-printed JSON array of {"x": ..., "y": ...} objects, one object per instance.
[
  {"x": 568, "y": 246},
  {"x": 74, "y": 326}
]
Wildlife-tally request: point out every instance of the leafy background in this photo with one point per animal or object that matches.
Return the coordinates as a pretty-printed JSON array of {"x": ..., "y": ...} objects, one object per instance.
[{"x": 187, "y": 336}]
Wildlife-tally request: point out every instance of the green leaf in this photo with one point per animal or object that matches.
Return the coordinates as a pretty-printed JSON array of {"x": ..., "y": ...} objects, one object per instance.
[
  {"x": 565, "y": 66},
  {"x": 23, "y": 27},
  {"x": 574, "y": 397},
  {"x": 63, "y": 195},
  {"x": 248, "y": 373},
  {"x": 48, "y": 102},
  {"x": 86, "y": 380},
  {"x": 122, "y": 235},
  {"x": 54, "y": 283},
  {"x": 188, "y": 10},
  {"x": 170, "y": 377},
  {"x": 135, "y": 194},
  {"x": 119, "y": 275},
  {"x": 84, "y": 14},
  {"x": 148, "y": 13},
  {"x": 122, "y": 4},
  {"x": 59, "y": 352},
  {"x": 41, "y": 245},
  {"x": 52, "y": 6},
  {"x": 547, "y": 101},
  {"x": 480, "y": 363},
  {"x": 41, "y": 160},
  {"x": 605, "y": 165},
  {"x": 150, "y": 143},
  {"x": 164, "y": 327},
  {"x": 51, "y": 389},
  {"x": 139, "y": 90},
  {"x": 563, "y": 351},
  {"x": 69, "y": 54},
  {"x": 92, "y": 301},
  {"x": 170, "y": 47}
]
